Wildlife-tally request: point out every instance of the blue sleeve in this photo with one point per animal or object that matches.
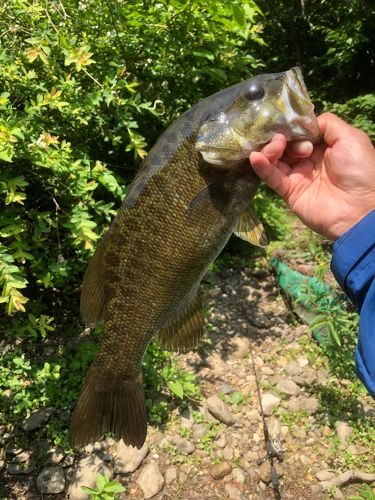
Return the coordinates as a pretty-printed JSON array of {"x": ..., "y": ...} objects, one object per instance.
[{"x": 353, "y": 265}]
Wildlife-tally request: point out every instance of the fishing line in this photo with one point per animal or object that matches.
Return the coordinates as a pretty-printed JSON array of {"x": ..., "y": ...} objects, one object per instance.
[{"x": 273, "y": 450}]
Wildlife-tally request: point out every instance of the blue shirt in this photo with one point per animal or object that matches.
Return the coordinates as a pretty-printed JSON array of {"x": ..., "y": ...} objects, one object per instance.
[{"x": 353, "y": 265}]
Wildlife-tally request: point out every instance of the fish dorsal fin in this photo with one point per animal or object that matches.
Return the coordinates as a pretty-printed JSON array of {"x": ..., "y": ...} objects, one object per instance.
[
  {"x": 250, "y": 229},
  {"x": 92, "y": 292},
  {"x": 186, "y": 331}
]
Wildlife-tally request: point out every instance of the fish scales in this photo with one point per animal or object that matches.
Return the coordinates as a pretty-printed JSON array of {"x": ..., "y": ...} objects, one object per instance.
[{"x": 144, "y": 278}]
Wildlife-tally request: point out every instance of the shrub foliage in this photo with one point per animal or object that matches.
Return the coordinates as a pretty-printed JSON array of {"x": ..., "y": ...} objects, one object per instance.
[{"x": 85, "y": 88}]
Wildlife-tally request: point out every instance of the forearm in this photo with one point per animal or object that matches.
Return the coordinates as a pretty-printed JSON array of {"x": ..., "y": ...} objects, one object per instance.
[{"x": 353, "y": 264}]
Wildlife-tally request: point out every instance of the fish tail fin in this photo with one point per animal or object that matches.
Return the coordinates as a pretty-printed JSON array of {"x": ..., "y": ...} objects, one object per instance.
[{"x": 108, "y": 403}]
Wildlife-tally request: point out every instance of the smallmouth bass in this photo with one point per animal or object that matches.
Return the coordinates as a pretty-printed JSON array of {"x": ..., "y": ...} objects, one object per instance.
[{"x": 192, "y": 192}]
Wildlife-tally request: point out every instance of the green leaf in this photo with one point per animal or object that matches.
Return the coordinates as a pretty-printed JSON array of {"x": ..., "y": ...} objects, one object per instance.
[
  {"x": 176, "y": 388},
  {"x": 89, "y": 491},
  {"x": 101, "y": 481},
  {"x": 239, "y": 15}
]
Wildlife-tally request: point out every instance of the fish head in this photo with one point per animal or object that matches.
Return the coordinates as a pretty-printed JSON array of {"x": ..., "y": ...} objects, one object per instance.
[{"x": 261, "y": 107}]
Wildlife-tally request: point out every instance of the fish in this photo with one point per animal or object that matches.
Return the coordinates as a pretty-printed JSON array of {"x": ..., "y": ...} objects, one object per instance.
[{"x": 193, "y": 190}]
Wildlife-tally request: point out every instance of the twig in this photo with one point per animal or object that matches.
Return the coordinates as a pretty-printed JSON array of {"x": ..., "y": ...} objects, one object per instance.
[{"x": 349, "y": 476}]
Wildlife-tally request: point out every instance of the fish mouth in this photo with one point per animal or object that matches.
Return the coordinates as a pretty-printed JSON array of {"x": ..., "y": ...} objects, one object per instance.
[{"x": 294, "y": 102}]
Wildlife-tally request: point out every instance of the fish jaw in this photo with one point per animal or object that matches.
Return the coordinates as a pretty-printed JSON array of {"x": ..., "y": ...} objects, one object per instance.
[
  {"x": 282, "y": 105},
  {"x": 300, "y": 120}
]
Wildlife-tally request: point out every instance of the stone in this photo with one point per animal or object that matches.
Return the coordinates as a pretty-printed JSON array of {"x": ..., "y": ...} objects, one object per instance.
[
  {"x": 206, "y": 414},
  {"x": 269, "y": 404},
  {"x": 226, "y": 389},
  {"x": 184, "y": 446},
  {"x": 266, "y": 370},
  {"x": 22, "y": 457},
  {"x": 228, "y": 453},
  {"x": 128, "y": 458},
  {"x": 288, "y": 386},
  {"x": 274, "y": 427},
  {"x": 238, "y": 475},
  {"x": 55, "y": 456},
  {"x": 37, "y": 419},
  {"x": 293, "y": 369},
  {"x": 199, "y": 431},
  {"x": 302, "y": 361},
  {"x": 232, "y": 492},
  {"x": 240, "y": 346},
  {"x": 325, "y": 475},
  {"x": 68, "y": 461},
  {"x": 21, "y": 468},
  {"x": 51, "y": 480},
  {"x": 338, "y": 495},
  {"x": 220, "y": 410},
  {"x": 264, "y": 472},
  {"x": 85, "y": 475},
  {"x": 220, "y": 441},
  {"x": 150, "y": 480},
  {"x": 307, "y": 404},
  {"x": 221, "y": 470},
  {"x": 343, "y": 431},
  {"x": 170, "y": 475}
]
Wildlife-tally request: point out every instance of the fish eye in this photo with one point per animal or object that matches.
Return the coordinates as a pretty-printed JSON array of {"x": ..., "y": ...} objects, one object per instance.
[{"x": 255, "y": 91}]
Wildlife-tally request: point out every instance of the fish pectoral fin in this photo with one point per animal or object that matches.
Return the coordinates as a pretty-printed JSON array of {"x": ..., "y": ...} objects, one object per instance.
[
  {"x": 250, "y": 229},
  {"x": 209, "y": 201},
  {"x": 186, "y": 331},
  {"x": 92, "y": 292}
]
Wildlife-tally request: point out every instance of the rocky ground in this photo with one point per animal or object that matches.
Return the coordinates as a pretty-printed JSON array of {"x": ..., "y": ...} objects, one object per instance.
[{"x": 214, "y": 448}]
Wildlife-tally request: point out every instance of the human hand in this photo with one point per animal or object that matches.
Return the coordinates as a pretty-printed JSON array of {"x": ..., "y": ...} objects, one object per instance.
[{"x": 329, "y": 186}]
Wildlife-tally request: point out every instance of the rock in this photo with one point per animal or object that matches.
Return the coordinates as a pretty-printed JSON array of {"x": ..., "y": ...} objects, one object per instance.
[
  {"x": 232, "y": 492},
  {"x": 221, "y": 441},
  {"x": 287, "y": 386},
  {"x": 343, "y": 431},
  {"x": 269, "y": 403},
  {"x": 220, "y": 410},
  {"x": 325, "y": 475},
  {"x": 55, "y": 456},
  {"x": 240, "y": 346},
  {"x": 150, "y": 480},
  {"x": 266, "y": 370},
  {"x": 293, "y": 369},
  {"x": 199, "y": 431},
  {"x": 128, "y": 458},
  {"x": 206, "y": 414},
  {"x": 307, "y": 404},
  {"x": 51, "y": 480},
  {"x": 264, "y": 472},
  {"x": 22, "y": 457},
  {"x": 338, "y": 495},
  {"x": 238, "y": 476},
  {"x": 226, "y": 389},
  {"x": 170, "y": 475},
  {"x": 302, "y": 362},
  {"x": 37, "y": 419},
  {"x": 21, "y": 468},
  {"x": 68, "y": 461},
  {"x": 103, "y": 449},
  {"x": 221, "y": 470},
  {"x": 228, "y": 453},
  {"x": 300, "y": 433},
  {"x": 85, "y": 475},
  {"x": 184, "y": 446},
  {"x": 186, "y": 419},
  {"x": 274, "y": 427}
]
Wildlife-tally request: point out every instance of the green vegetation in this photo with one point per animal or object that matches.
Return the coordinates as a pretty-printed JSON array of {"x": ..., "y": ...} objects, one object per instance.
[
  {"x": 86, "y": 87},
  {"x": 105, "y": 489}
]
